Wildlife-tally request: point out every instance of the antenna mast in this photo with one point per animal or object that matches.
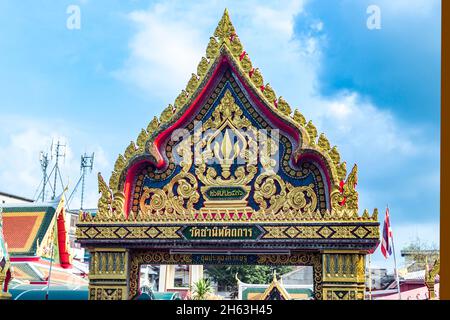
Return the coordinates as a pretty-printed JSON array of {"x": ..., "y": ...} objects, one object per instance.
[
  {"x": 44, "y": 164},
  {"x": 57, "y": 171},
  {"x": 87, "y": 162}
]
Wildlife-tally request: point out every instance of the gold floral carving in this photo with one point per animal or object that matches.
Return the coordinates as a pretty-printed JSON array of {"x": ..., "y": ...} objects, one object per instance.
[
  {"x": 273, "y": 194},
  {"x": 155, "y": 201}
]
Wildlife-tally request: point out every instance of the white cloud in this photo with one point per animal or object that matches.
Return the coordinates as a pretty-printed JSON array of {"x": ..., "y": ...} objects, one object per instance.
[
  {"x": 358, "y": 125},
  {"x": 163, "y": 53},
  {"x": 276, "y": 19},
  {"x": 171, "y": 38},
  {"x": 21, "y": 144}
]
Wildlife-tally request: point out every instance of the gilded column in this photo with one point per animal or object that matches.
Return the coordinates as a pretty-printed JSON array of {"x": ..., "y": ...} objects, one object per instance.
[
  {"x": 430, "y": 278},
  {"x": 108, "y": 274},
  {"x": 343, "y": 275}
]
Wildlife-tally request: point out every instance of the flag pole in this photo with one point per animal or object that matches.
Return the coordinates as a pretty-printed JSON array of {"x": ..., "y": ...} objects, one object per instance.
[
  {"x": 51, "y": 265},
  {"x": 395, "y": 261},
  {"x": 396, "y": 272}
]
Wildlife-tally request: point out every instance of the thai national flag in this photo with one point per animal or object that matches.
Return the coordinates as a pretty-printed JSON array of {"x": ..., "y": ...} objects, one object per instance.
[{"x": 386, "y": 248}]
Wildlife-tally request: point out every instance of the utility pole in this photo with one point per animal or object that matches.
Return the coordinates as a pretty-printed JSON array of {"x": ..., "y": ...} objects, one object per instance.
[{"x": 87, "y": 162}]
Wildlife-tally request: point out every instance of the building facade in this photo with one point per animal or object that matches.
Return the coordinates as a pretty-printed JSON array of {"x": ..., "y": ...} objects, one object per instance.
[{"x": 8, "y": 198}]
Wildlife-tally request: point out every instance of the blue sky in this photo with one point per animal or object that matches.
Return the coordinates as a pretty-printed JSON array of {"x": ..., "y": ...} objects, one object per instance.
[{"x": 375, "y": 93}]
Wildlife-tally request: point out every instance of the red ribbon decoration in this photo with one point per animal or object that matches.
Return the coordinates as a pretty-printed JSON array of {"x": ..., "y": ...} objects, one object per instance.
[{"x": 341, "y": 190}]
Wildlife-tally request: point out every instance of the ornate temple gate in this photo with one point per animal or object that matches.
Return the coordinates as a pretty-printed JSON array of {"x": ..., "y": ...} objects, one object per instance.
[{"x": 229, "y": 175}]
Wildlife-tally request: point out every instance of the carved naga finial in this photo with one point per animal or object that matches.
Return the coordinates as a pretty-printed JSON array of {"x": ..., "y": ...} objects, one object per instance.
[
  {"x": 346, "y": 196},
  {"x": 352, "y": 180},
  {"x": 104, "y": 203},
  {"x": 349, "y": 191},
  {"x": 109, "y": 206}
]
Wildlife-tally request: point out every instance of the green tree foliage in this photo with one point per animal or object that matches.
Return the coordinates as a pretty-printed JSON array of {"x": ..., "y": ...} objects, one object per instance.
[
  {"x": 418, "y": 253},
  {"x": 202, "y": 289}
]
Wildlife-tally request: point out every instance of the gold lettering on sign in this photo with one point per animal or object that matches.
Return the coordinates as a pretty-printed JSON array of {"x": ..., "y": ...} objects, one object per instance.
[{"x": 221, "y": 232}]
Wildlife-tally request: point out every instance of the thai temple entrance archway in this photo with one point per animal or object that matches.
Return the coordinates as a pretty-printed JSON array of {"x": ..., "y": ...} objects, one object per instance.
[{"x": 228, "y": 174}]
